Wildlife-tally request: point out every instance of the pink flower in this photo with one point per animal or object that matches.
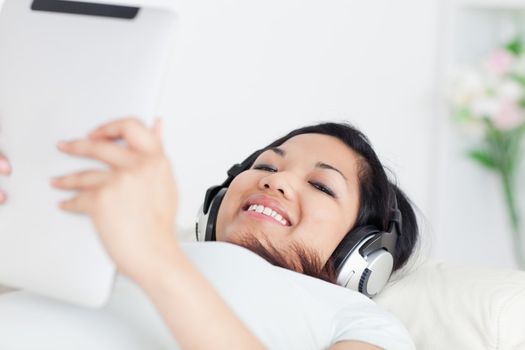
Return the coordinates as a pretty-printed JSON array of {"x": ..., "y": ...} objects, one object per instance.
[
  {"x": 500, "y": 62},
  {"x": 508, "y": 116}
]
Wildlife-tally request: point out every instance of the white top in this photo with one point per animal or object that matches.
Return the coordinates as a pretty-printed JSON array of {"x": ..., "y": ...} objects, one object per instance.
[{"x": 286, "y": 310}]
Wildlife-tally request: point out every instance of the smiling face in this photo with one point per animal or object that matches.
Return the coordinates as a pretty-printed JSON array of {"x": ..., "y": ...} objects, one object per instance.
[{"x": 304, "y": 192}]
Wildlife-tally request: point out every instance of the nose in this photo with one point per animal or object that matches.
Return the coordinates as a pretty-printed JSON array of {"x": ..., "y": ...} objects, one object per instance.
[{"x": 278, "y": 182}]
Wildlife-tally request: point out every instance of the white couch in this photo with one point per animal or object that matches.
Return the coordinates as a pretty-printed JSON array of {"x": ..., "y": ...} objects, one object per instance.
[
  {"x": 444, "y": 307},
  {"x": 454, "y": 307}
]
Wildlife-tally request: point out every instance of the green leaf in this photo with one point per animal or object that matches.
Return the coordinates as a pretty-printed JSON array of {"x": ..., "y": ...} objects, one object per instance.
[
  {"x": 485, "y": 158},
  {"x": 462, "y": 115},
  {"x": 490, "y": 91},
  {"x": 518, "y": 78},
  {"x": 515, "y": 46}
]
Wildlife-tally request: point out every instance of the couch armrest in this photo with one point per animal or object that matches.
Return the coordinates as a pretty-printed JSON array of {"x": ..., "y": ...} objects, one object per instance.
[{"x": 455, "y": 307}]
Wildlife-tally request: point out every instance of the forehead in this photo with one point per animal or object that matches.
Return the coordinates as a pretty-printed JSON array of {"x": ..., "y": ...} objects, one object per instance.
[{"x": 312, "y": 148}]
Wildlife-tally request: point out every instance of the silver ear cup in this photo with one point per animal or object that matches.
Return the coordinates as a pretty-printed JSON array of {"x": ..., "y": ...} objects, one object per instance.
[
  {"x": 376, "y": 275},
  {"x": 366, "y": 274},
  {"x": 352, "y": 268}
]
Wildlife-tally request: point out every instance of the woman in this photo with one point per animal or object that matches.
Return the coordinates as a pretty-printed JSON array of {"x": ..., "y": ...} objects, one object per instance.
[{"x": 296, "y": 203}]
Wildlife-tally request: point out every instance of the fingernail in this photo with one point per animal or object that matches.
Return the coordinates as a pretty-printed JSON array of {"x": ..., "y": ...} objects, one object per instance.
[
  {"x": 61, "y": 144},
  {"x": 2, "y": 197},
  {"x": 4, "y": 166}
]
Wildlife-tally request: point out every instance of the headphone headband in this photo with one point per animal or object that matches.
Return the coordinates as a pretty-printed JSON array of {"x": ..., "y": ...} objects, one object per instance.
[{"x": 387, "y": 239}]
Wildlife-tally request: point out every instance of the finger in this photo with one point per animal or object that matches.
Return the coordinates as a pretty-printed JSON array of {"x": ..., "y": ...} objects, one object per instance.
[
  {"x": 79, "y": 204},
  {"x": 157, "y": 128},
  {"x": 82, "y": 180},
  {"x": 105, "y": 151},
  {"x": 132, "y": 130},
  {"x": 5, "y": 167}
]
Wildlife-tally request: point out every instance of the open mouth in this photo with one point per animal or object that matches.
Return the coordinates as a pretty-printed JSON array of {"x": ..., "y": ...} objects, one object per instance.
[
  {"x": 269, "y": 212},
  {"x": 267, "y": 207}
]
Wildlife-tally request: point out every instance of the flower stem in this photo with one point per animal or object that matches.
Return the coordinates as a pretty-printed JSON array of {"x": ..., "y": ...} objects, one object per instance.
[{"x": 514, "y": 218}]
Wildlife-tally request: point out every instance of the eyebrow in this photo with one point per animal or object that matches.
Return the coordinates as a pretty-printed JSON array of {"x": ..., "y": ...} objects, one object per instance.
[
  {"x": 281, "y": 152},
  {"x": 329, "y": 167},
  {"x": 278, "y": 151}
]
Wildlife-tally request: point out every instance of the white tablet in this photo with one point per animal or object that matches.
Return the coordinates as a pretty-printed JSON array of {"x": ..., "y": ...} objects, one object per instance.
[{"x": 65, "y": 68}]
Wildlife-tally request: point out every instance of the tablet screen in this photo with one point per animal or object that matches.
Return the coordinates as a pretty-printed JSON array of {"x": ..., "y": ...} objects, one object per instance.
[{"x": 62, "y": 75}]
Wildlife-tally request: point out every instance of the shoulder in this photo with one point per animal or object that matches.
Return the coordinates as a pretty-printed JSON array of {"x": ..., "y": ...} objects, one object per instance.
[
  {"x": 264, "y": 297},
  {"x": 355, "y": 317},
  {"x": 364, "y": 320}
]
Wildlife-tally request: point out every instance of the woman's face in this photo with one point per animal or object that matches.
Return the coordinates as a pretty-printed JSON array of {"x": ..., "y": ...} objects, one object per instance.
[{"x": 304, "y": 192}]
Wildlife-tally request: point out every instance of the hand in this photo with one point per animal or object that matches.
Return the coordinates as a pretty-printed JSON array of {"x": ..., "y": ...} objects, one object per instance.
[
  {"x": 5, "y": 169},
  {"x": 133, "y": 205}
]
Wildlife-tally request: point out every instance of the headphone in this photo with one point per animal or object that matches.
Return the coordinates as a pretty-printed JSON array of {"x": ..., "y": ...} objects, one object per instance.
[{"x": 363, "y": 260}]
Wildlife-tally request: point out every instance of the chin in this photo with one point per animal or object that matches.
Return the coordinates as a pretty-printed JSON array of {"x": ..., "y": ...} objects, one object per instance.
[{"x": 238, "y": 235}]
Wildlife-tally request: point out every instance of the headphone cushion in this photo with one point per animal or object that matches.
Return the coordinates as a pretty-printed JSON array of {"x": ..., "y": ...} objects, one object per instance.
[{"x": 207, "y": 219}]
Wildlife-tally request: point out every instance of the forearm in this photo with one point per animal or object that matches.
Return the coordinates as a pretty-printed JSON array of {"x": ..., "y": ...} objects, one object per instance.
[{"x": 196, "y": 314}]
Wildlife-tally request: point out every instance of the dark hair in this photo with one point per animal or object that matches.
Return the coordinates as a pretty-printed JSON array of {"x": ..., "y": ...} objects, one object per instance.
[
  {"x": 376, "y": 195},
  {"x": 307, "y": 262}
]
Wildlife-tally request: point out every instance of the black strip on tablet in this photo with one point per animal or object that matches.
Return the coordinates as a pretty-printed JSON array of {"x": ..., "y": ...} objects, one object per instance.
[{"x": 85, "y": 8}]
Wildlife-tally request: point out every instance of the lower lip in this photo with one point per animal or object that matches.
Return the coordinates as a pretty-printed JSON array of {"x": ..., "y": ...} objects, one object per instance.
[{"x": 261, "y": 216}]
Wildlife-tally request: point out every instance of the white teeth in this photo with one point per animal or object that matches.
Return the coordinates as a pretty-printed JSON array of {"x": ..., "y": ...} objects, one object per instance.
[{"x": 268, "y": 212}]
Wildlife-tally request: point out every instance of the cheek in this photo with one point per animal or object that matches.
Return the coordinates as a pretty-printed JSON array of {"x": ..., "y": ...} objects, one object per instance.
[
  {"x": 230, "y": 205},
  {"x": 326, "y": 223}
]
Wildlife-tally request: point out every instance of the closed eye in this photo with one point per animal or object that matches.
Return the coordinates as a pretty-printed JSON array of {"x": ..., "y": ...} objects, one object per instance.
[
  {"x": 318, "y": 185},
  {"x": 265, "y": 167},
  {"x": 321, "y": 187}
]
